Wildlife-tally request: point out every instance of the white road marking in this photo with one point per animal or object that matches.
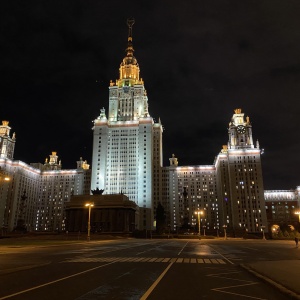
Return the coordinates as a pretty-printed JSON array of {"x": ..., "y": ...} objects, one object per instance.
[
  {"x": 55, "y": 281},
  {"x": 182, "y": 248},
  {"x": 222, "y": 289},
  {"x": 223, "y": 256},
  {"x": 152, "y": 287},
  {"x": 186, "y": 260}
]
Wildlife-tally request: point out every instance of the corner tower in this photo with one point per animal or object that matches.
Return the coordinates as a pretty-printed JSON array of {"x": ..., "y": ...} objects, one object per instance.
[
  {"x": 7, "y": 143},
  {"x": 240, "y": 181},
  {"x": 127, "y": 144},
  {"x": 240, "y": 132}
]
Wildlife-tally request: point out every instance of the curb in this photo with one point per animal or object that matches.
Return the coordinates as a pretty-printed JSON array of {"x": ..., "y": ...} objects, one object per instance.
[{"x": 275, "y": 284}]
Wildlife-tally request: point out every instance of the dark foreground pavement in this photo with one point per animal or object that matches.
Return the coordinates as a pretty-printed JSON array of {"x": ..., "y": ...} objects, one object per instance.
[{"x": 281, "y": 274}]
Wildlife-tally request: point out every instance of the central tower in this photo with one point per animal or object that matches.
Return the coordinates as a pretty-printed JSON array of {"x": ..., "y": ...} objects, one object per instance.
[
  {"x": 127, "y": 96},
  {"x": 127, "y": 146}
]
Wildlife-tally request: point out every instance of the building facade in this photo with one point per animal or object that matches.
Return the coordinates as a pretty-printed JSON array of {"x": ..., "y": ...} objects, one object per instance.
[
  {"x": 188, "y": 190},
  {"x": 282, "y": 208},
  {"x": 34, "y": 196},
  {"x": 108, "y": 213},
  {"x": 229, "y": 194}
]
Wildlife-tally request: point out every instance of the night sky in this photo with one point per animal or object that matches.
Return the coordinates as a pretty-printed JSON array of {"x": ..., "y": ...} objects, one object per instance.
[{"x": 199, "y": 60}]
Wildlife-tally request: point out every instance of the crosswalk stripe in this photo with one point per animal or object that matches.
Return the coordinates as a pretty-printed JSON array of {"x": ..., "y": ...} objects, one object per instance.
[
  {"x": 159, "y": 260},
  {"x": 221, "y": 261},
  {"x": 106, "y": 260},
  {"x": 153, "y": 259},
  {"x": 141, "y": 258},
  {"x": 127, "y": 259},
  {"x": 145, "y": 259},
  {"x": 185, "y": 260},
  {"x": 134, "y": 259}
]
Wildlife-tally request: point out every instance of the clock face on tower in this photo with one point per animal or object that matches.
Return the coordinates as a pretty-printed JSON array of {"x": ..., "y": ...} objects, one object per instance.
[{"x": 241, "y": 129}]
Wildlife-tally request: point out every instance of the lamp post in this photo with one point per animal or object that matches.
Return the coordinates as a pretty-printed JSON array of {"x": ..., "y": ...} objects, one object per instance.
[
  {"x": 199, "y": 212},
  {"x": 204, "y": 229},
  {"x": 263, "y": 231},
  {"x": 225, "y": 234},
  {"x": 89, "y": 205},
  {"x": 298, "y": 213}
]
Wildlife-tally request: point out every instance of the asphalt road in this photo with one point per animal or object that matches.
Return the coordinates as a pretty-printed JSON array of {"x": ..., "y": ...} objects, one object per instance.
[{"x": 140, "y": 269}]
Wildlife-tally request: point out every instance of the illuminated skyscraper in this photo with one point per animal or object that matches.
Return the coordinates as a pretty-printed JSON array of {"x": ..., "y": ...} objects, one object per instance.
[
  {"x": 127, "y": 147},
  {"x": 127, "y": 158}
]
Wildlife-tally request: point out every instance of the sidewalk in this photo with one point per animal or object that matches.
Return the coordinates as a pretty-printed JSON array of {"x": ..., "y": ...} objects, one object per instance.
[{"x": 282, "y": 274}]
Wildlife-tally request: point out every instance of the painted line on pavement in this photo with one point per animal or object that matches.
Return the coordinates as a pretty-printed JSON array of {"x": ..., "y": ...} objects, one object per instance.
[
  {"x": 55, "y": 281},
  {"x": 152, "y": 287},
  {"x": 182, "y": 249},
  {"x": 221, "y": 290},
  {"x": 222, "y": 256}
]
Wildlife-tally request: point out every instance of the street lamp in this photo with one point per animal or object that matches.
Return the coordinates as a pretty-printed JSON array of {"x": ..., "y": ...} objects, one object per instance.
[
  {"x": 298, "y": 213},
  {"x": 263, "y": 231},
  {"x": 199, "y": 212},
  {"x": 225, "y": 234},
  {"x": 89, "y": 205}
]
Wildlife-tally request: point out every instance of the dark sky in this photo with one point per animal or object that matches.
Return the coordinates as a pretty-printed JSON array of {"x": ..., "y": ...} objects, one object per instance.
[{"x": 199, "y": 60}]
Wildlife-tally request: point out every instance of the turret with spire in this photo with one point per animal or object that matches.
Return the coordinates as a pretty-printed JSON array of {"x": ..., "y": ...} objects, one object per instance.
[
  {"x": 240, "y": 131},
  {"x": 7, "y": 143}
]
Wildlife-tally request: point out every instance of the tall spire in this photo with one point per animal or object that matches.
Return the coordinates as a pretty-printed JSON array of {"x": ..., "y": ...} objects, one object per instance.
[
  {"x": 129, "y": 68},
  {"x": 129, "y": 49}
]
